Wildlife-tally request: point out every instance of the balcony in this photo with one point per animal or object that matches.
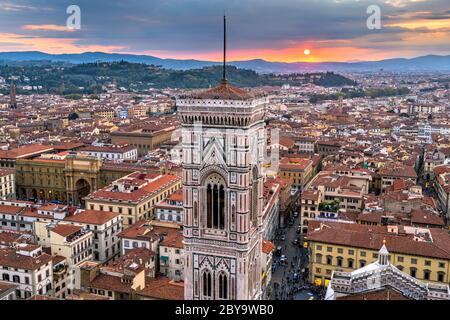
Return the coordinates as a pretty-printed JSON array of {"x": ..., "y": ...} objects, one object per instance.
[{"x": 329, "y": 206}]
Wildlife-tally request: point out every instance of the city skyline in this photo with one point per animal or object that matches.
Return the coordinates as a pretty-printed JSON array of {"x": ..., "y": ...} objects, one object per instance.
[{"x": 274, "y": 30}]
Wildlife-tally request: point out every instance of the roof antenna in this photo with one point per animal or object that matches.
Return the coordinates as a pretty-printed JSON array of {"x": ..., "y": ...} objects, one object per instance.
[{"x": 224, "y": 76}]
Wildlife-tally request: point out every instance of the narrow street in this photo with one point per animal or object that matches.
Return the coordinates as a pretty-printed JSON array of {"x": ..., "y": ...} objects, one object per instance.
[{"x": 289, "y": 279}]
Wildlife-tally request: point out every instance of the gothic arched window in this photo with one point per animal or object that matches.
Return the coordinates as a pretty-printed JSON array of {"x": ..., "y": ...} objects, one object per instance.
[
  {"x": 207, "y": 284},
  {"x": 223, "y": 286},
  {"x": 215, "y": 203}
]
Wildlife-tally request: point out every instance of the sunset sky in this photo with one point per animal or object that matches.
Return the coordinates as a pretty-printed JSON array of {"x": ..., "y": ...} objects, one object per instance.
[{"x": 274, "y": 30}]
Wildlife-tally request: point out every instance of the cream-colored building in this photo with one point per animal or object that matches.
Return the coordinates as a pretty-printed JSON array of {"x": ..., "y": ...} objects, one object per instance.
[
  {"x": 7, "y": 184},
  {"x": 171, "y": 256},
  {"x": 134, "y": 196},
  {"x": 72, "y": 242}
]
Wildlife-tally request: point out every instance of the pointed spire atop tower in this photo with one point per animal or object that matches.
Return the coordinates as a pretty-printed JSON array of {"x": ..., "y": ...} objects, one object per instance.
[{"x": 224, "y": 69}]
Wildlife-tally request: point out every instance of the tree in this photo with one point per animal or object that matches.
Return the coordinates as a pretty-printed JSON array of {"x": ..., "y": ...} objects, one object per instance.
[{"x": 73, "y": 116}]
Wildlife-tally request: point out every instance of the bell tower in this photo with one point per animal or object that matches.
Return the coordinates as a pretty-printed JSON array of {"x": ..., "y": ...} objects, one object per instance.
[
  {"x": 12, "y": 95},
  {"x": 223, "y": 143}
]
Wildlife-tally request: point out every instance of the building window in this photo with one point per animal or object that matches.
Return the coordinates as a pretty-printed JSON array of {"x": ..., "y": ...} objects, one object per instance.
[
  {"x": 426, "y": 274},
  {"x": 207, "y": 284},
  {"x": 223, "y": 286},
  {"x": 413, "y": 272},
  {"x": 400, "y": 259},
  {"x": 339, "y": 261},
  {"x": 413, "y": 261},
  {"x": 215, "y": 200},
  {"x": 363, "y": 253},
  {"x": 329, "y": 260},
  {"x": 427, "y": 263},
  {"x": 441, "y": 276},
  {"x": 318, "y": 258},
  {"x": 350, "y": 263},
  {"x": 362, "y": 263}
]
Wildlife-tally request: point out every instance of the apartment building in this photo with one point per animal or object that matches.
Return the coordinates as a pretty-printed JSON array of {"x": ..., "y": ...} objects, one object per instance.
[
  {"x": 7, "y": 184},
  {"x": 113, "y": 152},
  {"x": 72, "y": 242},
  {"x": 300, "y": 170},
  {"x": 171, "y": 256},
  {"x": 134, "y": 196},
  {"x": 331, "y": 192},
  {"x": 335, "y": 246},
  {"x": 441, "y": 184},
  {"x": 171, "y": 209},
  {"x": 27, "y": 267},
  {"x": 105, "y": 227}
]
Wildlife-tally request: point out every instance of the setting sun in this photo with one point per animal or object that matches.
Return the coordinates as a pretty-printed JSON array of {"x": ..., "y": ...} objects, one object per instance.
[{"x": 307, "y": 52}]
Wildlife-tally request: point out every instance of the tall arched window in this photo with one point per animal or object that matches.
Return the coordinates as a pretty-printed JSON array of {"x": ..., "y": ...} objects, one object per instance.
[
  {"x": 215, "y": 202},
  {"x": 207, "y": 284},
  {"x": 223, "y": 286}
]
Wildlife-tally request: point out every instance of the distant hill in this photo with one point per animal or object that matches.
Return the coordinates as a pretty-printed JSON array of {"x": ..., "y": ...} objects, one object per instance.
[
  {"x": 423, "y": 63},
  {"x": 90, "y": 78}
]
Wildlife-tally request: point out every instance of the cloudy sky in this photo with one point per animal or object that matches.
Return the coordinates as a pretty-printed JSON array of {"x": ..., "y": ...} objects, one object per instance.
[{"x": 275, "y": 30}]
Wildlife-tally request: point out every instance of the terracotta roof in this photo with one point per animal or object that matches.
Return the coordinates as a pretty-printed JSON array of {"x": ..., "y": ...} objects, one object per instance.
[
  {"x": 148, "y": 189},
  {"x": 224, "y": 91},
  {"x": 174, "y": 240},
  {"x": 112, "y": 283},
  {"x": 144, "y": 230},
  {"x": 22, "y": 152},
  {"x": 66, "y": 230},
  {"x": 295, "y": 163},
  {"x": 425, "y": 217},
  {"x": 92, "y": 217},
  {"x": 267, "y": 246},
  {"x": 371, "y": 237},
  {"x": 6, "y": 286},
  {"x": 10, "y": 209},
  {"x": 9, "y": 258},
  {"x": 163, "y": 288}
]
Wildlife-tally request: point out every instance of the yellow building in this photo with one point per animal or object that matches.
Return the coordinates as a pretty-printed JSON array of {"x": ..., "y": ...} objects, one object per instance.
[
  {"x": 336, "y": 246},
  {"x": 146, "y": 137},
  {"x": 65, "y": 179},
  {"x": 298, "y": 169},
  {"x": 105, "y": 114},
  {"x": 134, "y": 196}
]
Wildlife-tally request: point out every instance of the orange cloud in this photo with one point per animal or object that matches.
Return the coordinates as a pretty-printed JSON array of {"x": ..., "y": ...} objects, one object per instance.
[
  {"x": 422, "y": 23},
  {"x": 46, "y": 27},
  {"x": 14, "y": 42}
]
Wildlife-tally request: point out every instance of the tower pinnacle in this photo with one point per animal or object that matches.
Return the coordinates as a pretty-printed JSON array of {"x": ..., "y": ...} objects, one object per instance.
[{"x": 224, "y": 75}]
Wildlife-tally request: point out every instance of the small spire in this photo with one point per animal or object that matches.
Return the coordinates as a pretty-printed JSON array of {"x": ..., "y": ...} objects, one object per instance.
[
  {"x": 224, "y": 69},
  {"x": 383, "y": 255}
]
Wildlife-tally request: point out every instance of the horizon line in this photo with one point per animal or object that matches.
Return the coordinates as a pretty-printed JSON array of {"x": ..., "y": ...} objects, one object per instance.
[{"x": 219, "y": 62}]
